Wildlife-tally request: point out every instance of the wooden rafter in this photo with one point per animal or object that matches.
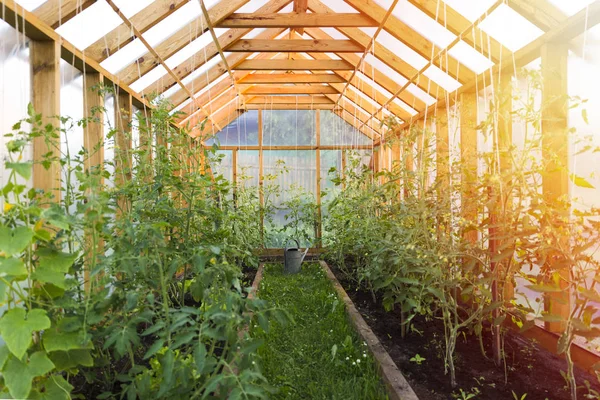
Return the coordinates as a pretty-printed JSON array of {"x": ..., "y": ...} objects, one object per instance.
[
  {"x": 58, "y": 12},
  {"x": 179, "y": 40},
  {"x": 294, "y": 100},
  {"x": 215, "y": 72},
  {"x": 205, "y": 54},
  {"x": 148, "y": 46},
  {"x": 381, "y": 52},
  {"x": 565, "y": 31},
  {"x": 290, "y": 89},
  {"x": 456, "y": 23},
  {"x": 300, "y": 7},
  {"x": 413, "y": 40},
  {"x": 290, "y": 106},
  {"x": 294, "y": 65},
  {"x": 216, "y": 41},
  {"x": 374, "y": 74},
  {"x": 295, "y": 20},
  {"x": 444, "y": 53},
  {"x": 541, "y": 13},
  {"x": 122, "y": 35},
  {"x": 290, "y": 78},
  {"x": 295, "y": 46},
  {"x": 28, "y": 23},
  {"x": 369, "y": 46}
]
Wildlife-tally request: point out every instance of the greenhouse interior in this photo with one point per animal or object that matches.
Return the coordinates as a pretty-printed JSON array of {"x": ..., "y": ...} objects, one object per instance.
[{"x": 300, "y": 199}]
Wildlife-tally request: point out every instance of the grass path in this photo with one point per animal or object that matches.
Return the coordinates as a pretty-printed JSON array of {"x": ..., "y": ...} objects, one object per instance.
[{"x": 318, "y": 355}]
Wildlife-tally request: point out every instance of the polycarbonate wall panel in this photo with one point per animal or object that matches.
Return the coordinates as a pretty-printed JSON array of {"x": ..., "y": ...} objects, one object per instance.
[
  {"x": 248, "y": 168},
  {"x": 109, "y": 142},
  {"x": 241, "y": 132},
  {"x": 336, "y": 131},
  {"x": 294, "y": 174},
  {"x": 15, "y": 92},
  {"x": 222, "y": 164},
  {"x": 289, "y": 128}
]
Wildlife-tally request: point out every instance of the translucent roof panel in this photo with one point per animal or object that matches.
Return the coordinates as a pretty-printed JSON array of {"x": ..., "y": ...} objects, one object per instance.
[
  {"x": 30, "y": 5},
  {"x": 90, "y": 25},
  {"x": 470, "y": 57},
  {"x": 423, "y": 24},
  {"x": 243, "y": 131},
  {"x": 521, "y": 32},
  {"x": 471, "y": 9},
  {"x": 385, "y": 69},
  {"x": 442, "y": 78},
  {"x": 571, "y": 7},
  {"x": 334, "y": 33},
  {"x": 400, "y": 49},
  {"x": 339, "y": 6},
  {"x": 336, "y": 131},
  {"x": 251, "y": 6},
  {"x": 154, "y": 36},
  {"x": 188, "y": 79}
]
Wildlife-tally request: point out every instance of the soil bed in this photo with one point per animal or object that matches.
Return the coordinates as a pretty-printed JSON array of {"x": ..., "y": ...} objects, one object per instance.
[{"x": 529, "y": 369}]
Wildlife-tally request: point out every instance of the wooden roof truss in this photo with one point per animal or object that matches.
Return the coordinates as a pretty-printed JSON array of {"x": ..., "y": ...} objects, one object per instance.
[{"x": 300, "y": 54}]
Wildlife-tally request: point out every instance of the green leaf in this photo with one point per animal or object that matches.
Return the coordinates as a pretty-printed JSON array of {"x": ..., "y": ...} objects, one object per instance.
[
  {"x": 55, "y": 388},
  {"x": 200, "y": 357},
  {"x": 581, "y": 182},
  {"x": 17, "y": 326},
  {"x": 53, "y": 265},
  {"x": 14, "y": 241},
  {"x": 154, "y": 348},
  {"x": 23, "y": 168},
  {"x": 65, "y": 360},
  {"x": 19, "y": 376},
  {"x": 55, "y": 340},
  {"x": 12, "y": 267},
  {"x": 544, "y": 288}
]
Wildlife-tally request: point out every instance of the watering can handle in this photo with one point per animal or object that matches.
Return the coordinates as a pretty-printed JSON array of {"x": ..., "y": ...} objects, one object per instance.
[{"x": 286, "y": 243}]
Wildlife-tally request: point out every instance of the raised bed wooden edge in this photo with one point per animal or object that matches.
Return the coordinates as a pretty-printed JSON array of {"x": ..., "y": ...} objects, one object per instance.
[{"x": 397, "y": 386}]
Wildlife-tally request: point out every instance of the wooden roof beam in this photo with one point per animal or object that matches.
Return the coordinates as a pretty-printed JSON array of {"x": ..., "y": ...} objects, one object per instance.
[
  {"x": 295, "y": 20},
  {"x": 179, "y": 40},
  {"x": 216, "y": 71},
  {"x": 456, "y": 23},
  {"x": 565, "y": 31},
  {"x": 58, "y": 12},
  {"x": 294, "y": 65},
  {"x": 382, "y": 53},
  {"x": 290, "y": 89},
  {"x": 148, "y": 46},
  {"x": 122, "y": 35},
  {"x": 261, "y": 106},
  {"x": 414, "y": 40},
  {"x": 296, "y": 100},
  {"x": 374, "y": 74},
  {"x": 300, "y": 7},
  {"x": 201, "y": 57},
  {"x": 297, "y": 78},
  {"x": 295, "y": 46}
]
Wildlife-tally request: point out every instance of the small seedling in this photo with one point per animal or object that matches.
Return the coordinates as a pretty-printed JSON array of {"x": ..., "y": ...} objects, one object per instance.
[{"x": 417, "y": 359}]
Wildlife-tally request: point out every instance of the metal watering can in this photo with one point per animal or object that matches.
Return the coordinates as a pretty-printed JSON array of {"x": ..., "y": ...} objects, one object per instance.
[{"x": 292, "y": 258}]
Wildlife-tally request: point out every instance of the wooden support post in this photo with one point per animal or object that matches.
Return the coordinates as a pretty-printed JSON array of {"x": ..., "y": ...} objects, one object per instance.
[
  {"x": 555, "y": 154},
  {"x": 123, "y": 115},
  {"x": 442, "y": 160},
  {"x": 318, "y": 226},
  {"x": 45, "y": 67},
  {"x": 468, "y": 154},
  {"x": 260, "y": 175},
  {"x": 409, "y": 160},
  {"x": 93, "y": 143}
]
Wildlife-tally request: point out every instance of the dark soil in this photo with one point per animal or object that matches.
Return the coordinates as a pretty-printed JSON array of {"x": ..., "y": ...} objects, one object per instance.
[{"x": 529, "y": 368}]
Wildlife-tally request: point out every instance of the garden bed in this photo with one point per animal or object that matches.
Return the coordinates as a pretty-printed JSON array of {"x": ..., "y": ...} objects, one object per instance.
[
  {"x": 317, "y": 355},
  {"x": 530, "y": 370}
]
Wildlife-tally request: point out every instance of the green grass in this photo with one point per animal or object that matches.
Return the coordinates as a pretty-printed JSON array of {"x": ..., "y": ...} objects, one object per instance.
[{"x": 318, "y": 355}]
